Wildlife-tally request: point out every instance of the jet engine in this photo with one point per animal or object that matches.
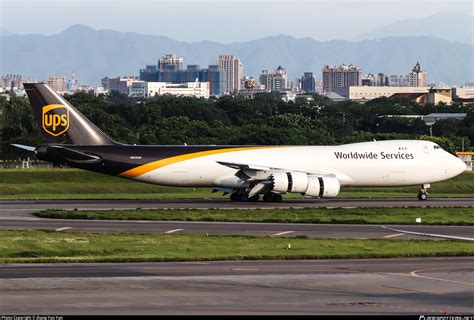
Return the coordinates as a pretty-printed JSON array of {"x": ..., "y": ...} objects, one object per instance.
[{"x": 308, "y": 185}]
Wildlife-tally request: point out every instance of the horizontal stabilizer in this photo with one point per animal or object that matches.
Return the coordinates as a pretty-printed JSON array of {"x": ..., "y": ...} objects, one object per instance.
[
  {"x": 27, "y": 148},
  {"x": 76, "y": 156}
]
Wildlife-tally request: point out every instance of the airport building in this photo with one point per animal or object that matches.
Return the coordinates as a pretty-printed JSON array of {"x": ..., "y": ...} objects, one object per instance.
[
  {"x": 463, "y": 94},
  {"x": 468, "y": 158},
  {"x": 421, "y": 95},
  {"x": 366, "y": 93},
  {"x": 434, "y": 96}
]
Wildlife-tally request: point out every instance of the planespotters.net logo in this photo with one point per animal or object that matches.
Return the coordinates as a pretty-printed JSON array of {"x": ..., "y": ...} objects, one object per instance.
[
  {"x": 55, "y": 119},
  {"x": 453, "y": 317}
]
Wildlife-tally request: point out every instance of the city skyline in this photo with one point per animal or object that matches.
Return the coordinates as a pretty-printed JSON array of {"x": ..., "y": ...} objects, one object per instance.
[{"x": 301, "y": 56}]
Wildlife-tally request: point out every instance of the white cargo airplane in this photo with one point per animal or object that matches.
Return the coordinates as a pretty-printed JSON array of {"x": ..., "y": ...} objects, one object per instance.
[{"x": 244, "y": 171}]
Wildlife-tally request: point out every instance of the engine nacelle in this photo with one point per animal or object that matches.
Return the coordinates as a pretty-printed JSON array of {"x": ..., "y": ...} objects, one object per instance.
[
  {"x": 308, "y": 185},
  {"x": 322, "y": 187}
]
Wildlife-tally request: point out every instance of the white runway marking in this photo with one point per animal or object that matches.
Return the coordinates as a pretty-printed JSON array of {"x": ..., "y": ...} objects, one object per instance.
[
  {"x": 394, "y": 235},
  {"x": 65, "y": 228},
  {"x": 282, "y": 233},
  {"x": 173, "y": 231}
]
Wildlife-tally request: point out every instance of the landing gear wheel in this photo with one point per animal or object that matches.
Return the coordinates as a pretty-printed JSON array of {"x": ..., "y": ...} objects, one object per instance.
[
  {"x": 422, "y": 196},
  {"x": 235, "y": 197},
  {"x": 267, "y": 197},
  {"x": 272, "y": 197},
  {"x": 253, "y": 198},
  {"x": 277, "y": 198},
  {"x": 239, "y": 196}
]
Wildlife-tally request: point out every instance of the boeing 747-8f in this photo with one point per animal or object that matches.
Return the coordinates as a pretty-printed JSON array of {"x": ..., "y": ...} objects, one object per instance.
[{"x": 244, "y": 171}]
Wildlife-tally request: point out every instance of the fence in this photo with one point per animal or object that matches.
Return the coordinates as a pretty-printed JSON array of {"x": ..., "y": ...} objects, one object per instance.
[{"x": 24, "y": 164}]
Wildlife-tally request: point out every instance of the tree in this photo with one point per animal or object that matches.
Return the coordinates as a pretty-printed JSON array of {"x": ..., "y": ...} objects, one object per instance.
[{"x": 443, "y": 142}]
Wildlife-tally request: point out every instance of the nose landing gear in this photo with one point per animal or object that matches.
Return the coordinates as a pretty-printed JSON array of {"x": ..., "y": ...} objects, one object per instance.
[{"x": 423, "y": 194}]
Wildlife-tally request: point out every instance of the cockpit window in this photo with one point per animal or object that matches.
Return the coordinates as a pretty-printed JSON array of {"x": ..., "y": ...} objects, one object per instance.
[{"x": 436, "y": 147}]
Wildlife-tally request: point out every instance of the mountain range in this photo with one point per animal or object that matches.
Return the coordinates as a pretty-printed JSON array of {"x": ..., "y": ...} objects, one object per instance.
[
  {"x": 451, "y": 26},
  {"x": 93, "y": 54}
]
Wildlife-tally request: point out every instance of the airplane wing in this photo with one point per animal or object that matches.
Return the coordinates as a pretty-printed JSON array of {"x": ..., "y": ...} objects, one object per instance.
[
  {"x": 260, "y": 177},
  {"x": 430, "y": 234},
  {"x": 244, "y": 166}
]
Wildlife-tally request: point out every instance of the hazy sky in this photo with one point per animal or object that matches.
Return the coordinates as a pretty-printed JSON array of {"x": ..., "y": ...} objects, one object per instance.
[{"x": 223, "y": 21}]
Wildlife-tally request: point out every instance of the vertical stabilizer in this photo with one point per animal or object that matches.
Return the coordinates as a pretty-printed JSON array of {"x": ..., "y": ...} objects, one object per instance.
[{"x": 60, "y": 122}]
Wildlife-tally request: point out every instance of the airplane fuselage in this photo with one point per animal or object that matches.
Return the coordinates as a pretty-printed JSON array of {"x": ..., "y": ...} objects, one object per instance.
[{"x": 377, "y": 163}]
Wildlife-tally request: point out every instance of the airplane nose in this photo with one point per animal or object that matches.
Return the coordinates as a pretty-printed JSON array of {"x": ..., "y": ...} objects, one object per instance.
[{"x": 459, "y": 166}]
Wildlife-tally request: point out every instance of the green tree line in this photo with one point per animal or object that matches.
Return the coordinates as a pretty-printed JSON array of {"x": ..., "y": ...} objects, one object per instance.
[{"x": 235, "y": 120}]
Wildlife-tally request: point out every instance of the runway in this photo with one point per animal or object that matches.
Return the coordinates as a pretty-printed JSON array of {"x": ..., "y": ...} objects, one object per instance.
[
  {"x": 353, "y": 231},
  {"x": 28, "y": 205},
  {"x": 369, "y": 286},
  {"x": 17, "y": 215}
]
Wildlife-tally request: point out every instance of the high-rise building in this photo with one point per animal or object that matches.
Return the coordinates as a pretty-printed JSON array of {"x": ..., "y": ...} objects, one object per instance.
[
  {"x": 341, "y": 77},
  {"x": 418, "y": 77},
  {"x": 58, "y": 84},
  {"x": 170, "y": 62},
  {"x": 217, "y": 78},
  {"x": 319, "y": 86},
  {"x": 12, "y": 82},
  {"x": 234, "y": 71},
  {"x": 277, "y": 81},
  {"x": 295, "y": 85},
  {"x": 399, "y": 81},
  {"x": 308, "y": 83},
  {"x": 265, "y": 80},
  {"x": 119, "y": 84},
  {"x": 280, "y": 79},
  {"x": 378, "y": 80}
]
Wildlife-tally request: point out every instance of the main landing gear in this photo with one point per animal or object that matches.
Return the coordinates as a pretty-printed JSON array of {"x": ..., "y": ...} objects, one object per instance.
[
  {"x": 423, "y": 195},
  {"x": 243, "y": 196},
  {"x": 272, "y": 197}
]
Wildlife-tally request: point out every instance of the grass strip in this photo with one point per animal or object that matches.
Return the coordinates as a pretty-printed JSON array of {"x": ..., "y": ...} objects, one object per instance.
[
  {"x": 28, "y": 246},
  {"x": 35, "y": 184},
  {"x": 429, "y": 216}
]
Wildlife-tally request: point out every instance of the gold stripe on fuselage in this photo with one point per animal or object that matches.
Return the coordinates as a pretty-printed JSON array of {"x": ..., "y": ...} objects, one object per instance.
[{"x": 138, "y": 171}]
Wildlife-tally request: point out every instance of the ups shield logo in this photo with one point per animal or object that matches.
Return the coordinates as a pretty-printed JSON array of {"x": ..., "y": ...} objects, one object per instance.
[{"x": 55, "y": 119}]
